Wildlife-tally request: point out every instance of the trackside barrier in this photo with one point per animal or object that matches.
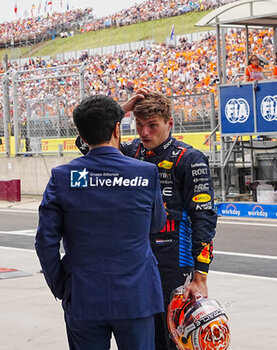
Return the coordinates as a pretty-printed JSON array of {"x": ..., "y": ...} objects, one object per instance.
[
  {"x": 10, "y": 190},
  {"x": 249, "y": 210}
]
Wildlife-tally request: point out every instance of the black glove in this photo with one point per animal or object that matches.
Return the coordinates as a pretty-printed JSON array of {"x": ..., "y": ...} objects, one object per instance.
[{"x": 82, "y": 146}]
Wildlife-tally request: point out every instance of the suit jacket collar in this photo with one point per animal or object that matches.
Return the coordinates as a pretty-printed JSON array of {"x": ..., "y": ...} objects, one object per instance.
[{"x": 103, "y": 150}]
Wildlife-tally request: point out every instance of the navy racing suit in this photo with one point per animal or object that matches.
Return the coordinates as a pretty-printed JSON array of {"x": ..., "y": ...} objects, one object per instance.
[{"x": 185, "y": 243}]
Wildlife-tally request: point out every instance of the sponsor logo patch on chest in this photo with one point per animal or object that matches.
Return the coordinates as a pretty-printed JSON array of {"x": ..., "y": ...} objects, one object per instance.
[{"x": 165, "y": 164}]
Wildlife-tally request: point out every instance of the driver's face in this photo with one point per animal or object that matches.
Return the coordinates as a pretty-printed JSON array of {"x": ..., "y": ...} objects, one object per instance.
[{"x": 153, "y": 131}]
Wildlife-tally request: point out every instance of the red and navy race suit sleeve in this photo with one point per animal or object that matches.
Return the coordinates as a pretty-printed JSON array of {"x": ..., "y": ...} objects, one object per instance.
[{"x": 194, "y": 181}]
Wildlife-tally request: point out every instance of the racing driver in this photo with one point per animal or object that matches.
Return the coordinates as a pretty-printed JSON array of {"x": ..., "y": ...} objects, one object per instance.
[{"x": 184, "y": 245}]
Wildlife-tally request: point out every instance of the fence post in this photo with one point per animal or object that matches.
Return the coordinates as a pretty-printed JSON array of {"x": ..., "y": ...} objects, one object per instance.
[
  {"x": 15, "y": 114},
  {"x": 6, "y": 108},
  {"x": 213, "y": 123},
  {"x": 82, "y": 80}
]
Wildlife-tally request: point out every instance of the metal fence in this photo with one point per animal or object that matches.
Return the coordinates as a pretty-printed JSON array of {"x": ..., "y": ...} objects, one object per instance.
[
  {"x": 38, "y": 104},
  {"x": 191, "y": 113},
  {"x": 42, "y": 101}
]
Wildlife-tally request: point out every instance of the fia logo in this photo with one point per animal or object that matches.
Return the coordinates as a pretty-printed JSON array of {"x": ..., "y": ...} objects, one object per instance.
[
  {"x": 237, "y": 110},
  {"x": 79, "y": 178},
  {"x": 269, "y": 108}
]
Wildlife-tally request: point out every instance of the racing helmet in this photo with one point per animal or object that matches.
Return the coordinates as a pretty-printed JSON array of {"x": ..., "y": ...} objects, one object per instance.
[{"x": 197, "y": 324}]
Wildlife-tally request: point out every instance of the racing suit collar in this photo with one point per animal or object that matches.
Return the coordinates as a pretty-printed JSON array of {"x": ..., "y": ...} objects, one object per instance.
[{"x": 161, "y": 148}]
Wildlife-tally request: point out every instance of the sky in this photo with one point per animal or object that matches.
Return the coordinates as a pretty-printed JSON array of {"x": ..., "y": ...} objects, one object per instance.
[{"x": 101, "y": 8}]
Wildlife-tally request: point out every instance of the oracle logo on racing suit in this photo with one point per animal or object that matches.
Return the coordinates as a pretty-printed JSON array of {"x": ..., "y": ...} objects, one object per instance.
[{"x": 200, "y": 171}]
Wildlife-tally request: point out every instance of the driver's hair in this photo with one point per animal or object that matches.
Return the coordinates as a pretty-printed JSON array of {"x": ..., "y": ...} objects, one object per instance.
[{"x": 153, "y": 104}]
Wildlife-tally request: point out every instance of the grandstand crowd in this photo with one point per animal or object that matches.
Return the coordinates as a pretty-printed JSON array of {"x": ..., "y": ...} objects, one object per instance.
[
  {"x": 187, "y": 68},
  {"x": 23, "y": 30},
  {"x": 52, "y": 24},
  {"x": 150, "y": 10}
]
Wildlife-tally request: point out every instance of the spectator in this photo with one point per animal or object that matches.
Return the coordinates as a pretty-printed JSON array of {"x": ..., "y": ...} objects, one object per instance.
[
  {"x": 274, "y": 75},
  {"x": 253, "y": 71}
]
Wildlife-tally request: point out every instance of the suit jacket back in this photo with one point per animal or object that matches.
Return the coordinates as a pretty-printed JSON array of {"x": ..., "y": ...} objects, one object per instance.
[{"x": 103, "y": 206}]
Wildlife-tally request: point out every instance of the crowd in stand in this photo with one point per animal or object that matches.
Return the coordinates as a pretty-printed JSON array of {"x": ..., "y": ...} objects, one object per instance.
[
  {"x": 152, "y": 9},
  {"x": 42, "y": 27},
  {"x": 185, "y": 69},
  {"x": 188, "y": 68},
  {"x": 23, "y": 30}
]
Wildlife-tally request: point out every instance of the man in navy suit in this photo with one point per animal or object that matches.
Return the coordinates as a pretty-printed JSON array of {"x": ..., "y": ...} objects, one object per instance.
[{"x": 103, "y": 206}]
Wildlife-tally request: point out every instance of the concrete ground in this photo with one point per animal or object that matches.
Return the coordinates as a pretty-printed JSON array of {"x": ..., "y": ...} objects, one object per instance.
[{"x": 32, "y": 319}]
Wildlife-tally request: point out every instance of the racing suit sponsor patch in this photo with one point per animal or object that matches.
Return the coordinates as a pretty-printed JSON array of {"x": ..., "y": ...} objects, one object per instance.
[
  {"x": 201, "y": 187},
  {"x": 167, "y": 191},
  {"x": 199, "y": 172},
  {"x": 197, "y": 165},
  {"x": 201, "y": 198},
  {"x": 168, "y": 144},
  {"x": 165, "y": 164},
  {"x": 201, "y": 179},
  {"x": 206, "y": 253},
  {"x": 161, "y": 241},
  {"x": 204, "y": 206},
  {"x": 169, "y": 226}
]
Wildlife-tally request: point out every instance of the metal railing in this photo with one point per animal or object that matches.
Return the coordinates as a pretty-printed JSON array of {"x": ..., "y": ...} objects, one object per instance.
[
  {"x": 35, "y": 110},
  {"x": 35, "y": 118}
]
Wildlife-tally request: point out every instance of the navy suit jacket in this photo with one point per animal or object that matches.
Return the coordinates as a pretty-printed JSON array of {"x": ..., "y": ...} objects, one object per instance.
[{"x": 103, "y": 207}]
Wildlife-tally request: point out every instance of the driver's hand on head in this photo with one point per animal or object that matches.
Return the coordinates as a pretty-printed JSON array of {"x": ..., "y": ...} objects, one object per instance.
[{"x": 139, "y": 95}]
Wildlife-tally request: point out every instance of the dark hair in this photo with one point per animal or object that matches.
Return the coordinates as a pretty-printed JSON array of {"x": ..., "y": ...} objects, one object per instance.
[
  {"x": 95, "y": 118},
  {"x": 251, "y": 59},
  {"x": 153, "y": 104}
]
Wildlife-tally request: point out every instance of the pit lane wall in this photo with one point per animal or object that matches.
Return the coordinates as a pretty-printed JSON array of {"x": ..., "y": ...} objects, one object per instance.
[
  {"x": 248, "y": 210},
  {"x": 33, "y": 170},
  {"x": 53, "y": 145},
  {"x": 68, "y": 144}
]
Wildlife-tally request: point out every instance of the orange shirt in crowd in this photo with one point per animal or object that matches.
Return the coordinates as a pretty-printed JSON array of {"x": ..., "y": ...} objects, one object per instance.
[
  {"x": 254, "y": 73},
  {"x": 275, "y": 72}
]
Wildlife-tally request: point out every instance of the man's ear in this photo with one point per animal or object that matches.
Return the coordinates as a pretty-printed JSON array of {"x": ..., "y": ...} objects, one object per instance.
[
  {"x": 117, "y": 130},
  {"x": 171, "y": 123}
]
